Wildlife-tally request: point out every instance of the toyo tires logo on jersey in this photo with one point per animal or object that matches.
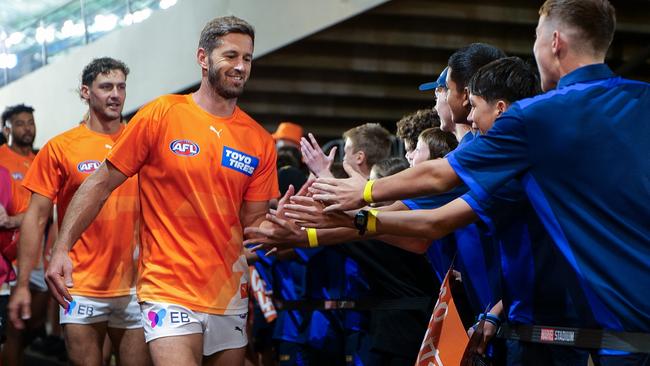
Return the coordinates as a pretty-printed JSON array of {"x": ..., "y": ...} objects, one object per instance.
[
  {"x": 88, "y": 166},
  {"x": 239, "y": 161},
  {"x": 184, "y": 147}
]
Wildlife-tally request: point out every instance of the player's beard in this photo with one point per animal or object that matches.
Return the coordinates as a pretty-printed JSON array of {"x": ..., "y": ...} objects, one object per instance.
[
  {"x": 219, "y": 85},
  {"x": 26, "y": 140}
]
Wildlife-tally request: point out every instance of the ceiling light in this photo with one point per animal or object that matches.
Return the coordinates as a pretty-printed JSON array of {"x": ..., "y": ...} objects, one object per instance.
[
  {"x": 165, "y": 4},
  {"x": 141, "y": 15},
  {"x": 44, "y": 34},
  {"x": 8, "y": 60},
  {"x": 103, "y": 23},
  {"x": 70, "y": 29},
  {"x": 14, "y": 39}
]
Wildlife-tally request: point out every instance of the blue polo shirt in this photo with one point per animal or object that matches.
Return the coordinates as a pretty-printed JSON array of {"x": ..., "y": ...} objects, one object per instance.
[
  {"x": 538, "y": 285},
  {"x": 583, "y": 157}
]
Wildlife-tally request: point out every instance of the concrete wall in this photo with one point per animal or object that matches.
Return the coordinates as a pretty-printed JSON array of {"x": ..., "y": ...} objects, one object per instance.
[{"x": 161, "y": 53}]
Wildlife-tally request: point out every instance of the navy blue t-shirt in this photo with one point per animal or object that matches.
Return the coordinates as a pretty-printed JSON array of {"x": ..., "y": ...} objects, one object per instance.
[{"x": 583, "y": 157}]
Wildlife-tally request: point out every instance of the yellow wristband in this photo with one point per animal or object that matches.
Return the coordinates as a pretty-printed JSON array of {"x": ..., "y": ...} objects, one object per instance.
[
  {"x": 367, "y": 191},
  {"x": 372, "y": 221},
  {"x": 313, "y": 238}
]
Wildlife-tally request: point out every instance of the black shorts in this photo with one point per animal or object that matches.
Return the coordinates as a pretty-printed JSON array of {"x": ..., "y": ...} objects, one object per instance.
[{"x": 4, "y": 318}]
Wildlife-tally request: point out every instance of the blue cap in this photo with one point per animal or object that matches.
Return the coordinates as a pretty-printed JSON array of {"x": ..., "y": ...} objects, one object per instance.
[{"x": 442, "y": 81}]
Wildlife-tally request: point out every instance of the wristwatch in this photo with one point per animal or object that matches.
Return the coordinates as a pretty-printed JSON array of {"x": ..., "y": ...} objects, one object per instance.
[{"x": 361, "y": 221}]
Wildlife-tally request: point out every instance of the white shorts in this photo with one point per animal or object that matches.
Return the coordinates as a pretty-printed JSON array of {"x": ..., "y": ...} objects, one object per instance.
[
  {"x": 120, "y": 312},
  {"x": 220, "y": 332}
]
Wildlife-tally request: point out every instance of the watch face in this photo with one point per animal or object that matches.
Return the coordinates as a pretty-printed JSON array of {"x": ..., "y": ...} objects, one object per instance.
[{"x": 360, "y": 219}]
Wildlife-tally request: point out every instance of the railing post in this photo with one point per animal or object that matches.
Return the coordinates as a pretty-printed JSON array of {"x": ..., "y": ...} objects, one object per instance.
[{"x": 83, "y": 19}]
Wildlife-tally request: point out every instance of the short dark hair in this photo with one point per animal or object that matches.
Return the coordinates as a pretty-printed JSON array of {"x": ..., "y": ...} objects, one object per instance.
[
  {"x": 390, "y": 166},
  {"x": 102, "y": 65},
  {"x": 440, "y": 143},
  {"x": 14, "y": 110},
  {"x": 509, "y": 79},
  {"x": 372, "y": 139},
  {"x": 595, "y": 20},
  {"x": 219, "y": 27},
  {"x": 411, "y": 125},
  {"x": 467, "y": 60}
]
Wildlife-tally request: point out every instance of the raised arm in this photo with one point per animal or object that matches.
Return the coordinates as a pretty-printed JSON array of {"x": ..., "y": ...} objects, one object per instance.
[
  {"x": 428, "y": 178},
  {"x": 84, "y": 207},
  {"x": 430, "y": 224}
]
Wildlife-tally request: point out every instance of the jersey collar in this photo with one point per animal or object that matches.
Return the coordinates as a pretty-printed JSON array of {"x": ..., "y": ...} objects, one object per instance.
[{"x": 585, "y": 74}]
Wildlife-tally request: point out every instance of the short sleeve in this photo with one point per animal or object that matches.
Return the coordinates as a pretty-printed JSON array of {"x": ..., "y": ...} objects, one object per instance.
[
  {"x": 46, "y": 174},
  {"x": 501, "y": 209},
  {"x": 434, "y": 201},
  {"x": 19, "y": 199},
  {"x": 491, "y": 160},
  {"x": 264, "y": 184},
  {"x": 132, "y": 148}
]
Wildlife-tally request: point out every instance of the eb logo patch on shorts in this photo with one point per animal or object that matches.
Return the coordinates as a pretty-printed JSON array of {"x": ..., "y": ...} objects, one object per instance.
[{"x": 239, "y": 161}]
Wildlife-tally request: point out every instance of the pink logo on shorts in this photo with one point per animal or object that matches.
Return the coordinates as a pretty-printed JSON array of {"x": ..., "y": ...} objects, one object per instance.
[
  {"x": 156, "y": 318},
  {"x": 71, "y": 306}
]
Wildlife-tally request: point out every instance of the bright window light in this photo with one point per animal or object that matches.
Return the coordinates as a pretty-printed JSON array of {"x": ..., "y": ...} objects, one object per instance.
[
  {"x": 166, "y": 4},
  {"x": 127, "y": 20},
  {"x": 8, "y": 60},
  {"x": 141, "y": 15},
  {"x": 70, "y": 29},
  {"x": 103, "y": 23},
  {"x": 14, "y": 39},
  {"x": 44, "y": 34}
]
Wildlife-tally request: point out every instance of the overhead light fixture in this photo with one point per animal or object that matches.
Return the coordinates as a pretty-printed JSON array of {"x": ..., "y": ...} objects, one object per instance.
[
  {"x": 127, "y": 20},
  {"x": 166, "y": 4},
  {"x": 44, "y": 34},
  {"x": 14, "y": 39},
  {"x": 8, "y": 60},
  {"x": 141, "y": 15},
  {"x": 136, "y": 17},
  {"x": 70, "y": 29},
  {"x": 103, "y": 23}
]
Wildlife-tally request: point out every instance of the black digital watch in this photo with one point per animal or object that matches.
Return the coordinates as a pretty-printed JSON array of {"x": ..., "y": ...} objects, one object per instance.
[{"x": 361, "y": 221}]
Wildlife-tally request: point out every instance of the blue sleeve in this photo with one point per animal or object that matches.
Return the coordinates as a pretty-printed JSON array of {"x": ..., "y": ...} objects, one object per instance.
[
  {"x": 412, "y": 204},
  {"x": 492, "y": 160},
  {"x": 435, "y": 201},
  {"x": 501, "y": 209}
]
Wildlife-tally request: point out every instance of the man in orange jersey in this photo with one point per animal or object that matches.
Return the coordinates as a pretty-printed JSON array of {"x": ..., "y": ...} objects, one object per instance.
[
  {"x": 104, "y": 297},
  {"x": 205, "y": 170},
  {"x": 19, "y": 130}
]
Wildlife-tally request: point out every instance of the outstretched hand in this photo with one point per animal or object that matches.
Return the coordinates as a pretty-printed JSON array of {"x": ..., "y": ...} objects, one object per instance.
[
  {"x": 278, "y": 231},
  {"x": 280, "y": 234},
  {"x": 308, "y": 213},
  {"x": 314, "y": 157},
  {"x": 340, "y": 194}
]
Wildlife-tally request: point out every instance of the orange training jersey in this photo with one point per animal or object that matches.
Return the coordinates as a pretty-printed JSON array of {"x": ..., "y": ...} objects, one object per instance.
[
  {"x": 16, "y": 164},
  {"x": 103, "y": 257},
  {"x": 195, "y": 171}
]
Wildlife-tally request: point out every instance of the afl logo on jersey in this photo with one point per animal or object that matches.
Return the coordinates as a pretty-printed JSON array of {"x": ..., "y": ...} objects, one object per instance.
[
  {"x": 184, "y": 148},
  {"x": 88, "y": 166}
]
